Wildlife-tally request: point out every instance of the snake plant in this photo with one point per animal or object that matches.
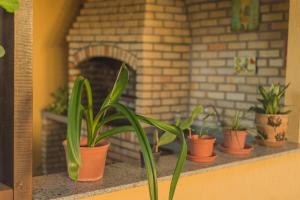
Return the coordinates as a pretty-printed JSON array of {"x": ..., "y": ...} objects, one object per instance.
[
  {"x": 95, "y": 132},
  {"x": 270, "y": 99}
]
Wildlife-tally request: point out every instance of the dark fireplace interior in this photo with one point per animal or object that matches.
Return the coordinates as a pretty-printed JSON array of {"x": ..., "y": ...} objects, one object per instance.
[{"x": 102, "y": 73}]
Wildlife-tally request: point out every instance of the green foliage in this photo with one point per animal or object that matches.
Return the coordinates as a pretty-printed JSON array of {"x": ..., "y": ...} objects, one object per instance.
[
  {"x": 10, "y": 6},
  {"x": 2, "y": 51},
  {"x": 203, "y": 129},
  {"x": 270, "y": 99},
  {"x": 236, "y": 122},
  {"x": 60, "y": 104},
  {"x": 187, "y": 123},
  {"x": 95, "y": 123},
  {"x": 168, "y": 138}
]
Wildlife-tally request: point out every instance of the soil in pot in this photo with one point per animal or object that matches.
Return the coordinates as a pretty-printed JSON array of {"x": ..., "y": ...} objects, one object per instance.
[
  {"x": 201, "y": 146},
  {"x": 272, "y": 128},
  {"x": 234, "y": 139},
  {"x": 92, "y": 160}
]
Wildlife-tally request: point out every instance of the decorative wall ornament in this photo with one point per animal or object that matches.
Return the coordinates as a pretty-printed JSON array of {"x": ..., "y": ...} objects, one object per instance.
[
  {"x": 245, "y": 15},
  {"x": 245, "y": 65}
]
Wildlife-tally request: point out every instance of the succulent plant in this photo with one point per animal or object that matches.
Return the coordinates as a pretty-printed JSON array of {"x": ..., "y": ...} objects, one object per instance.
[{"x": 271, "y": 99}]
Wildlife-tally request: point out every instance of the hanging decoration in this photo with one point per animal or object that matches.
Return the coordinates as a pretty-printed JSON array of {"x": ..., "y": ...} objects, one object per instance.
[{"x": 245, "y": 15}]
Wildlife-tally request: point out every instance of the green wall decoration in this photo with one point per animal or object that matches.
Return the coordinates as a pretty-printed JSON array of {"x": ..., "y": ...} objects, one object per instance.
[{"x": 245, "y": 15}]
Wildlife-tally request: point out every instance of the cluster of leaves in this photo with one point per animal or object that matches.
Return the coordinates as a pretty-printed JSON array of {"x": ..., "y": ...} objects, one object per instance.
[
  {"x": 187, "y": 123},
  {"x": 60, "y": 104},
  {"x": 10, "y": 6},
  {"x": 236, "y": 122},
  {"x": 95, "y": 134},
  {"x": 271, "y": 99}
]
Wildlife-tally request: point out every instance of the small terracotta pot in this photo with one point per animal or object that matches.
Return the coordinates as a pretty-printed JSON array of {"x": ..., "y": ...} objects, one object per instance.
[
  {"x": 201, "y": 146},
  {"x": 92, "y": 160},
  {"x": 234, "y": 140},
  {"x": 273, "y": 127}
]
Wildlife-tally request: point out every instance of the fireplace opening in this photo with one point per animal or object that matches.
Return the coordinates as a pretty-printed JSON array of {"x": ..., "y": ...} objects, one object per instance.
[{"x": 102, "y": 73}]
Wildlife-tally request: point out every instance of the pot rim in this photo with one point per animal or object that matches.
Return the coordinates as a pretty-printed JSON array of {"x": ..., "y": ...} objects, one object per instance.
[
  {"x": 102, "y": 144},
  {"x": 263, "y": 114},
  {"x": 227, "y": 130},
  {"x": 208, "y": 137}
]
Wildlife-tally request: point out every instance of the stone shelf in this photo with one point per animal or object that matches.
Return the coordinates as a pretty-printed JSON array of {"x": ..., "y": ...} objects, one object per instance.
[{"x": 120, "y": 176}]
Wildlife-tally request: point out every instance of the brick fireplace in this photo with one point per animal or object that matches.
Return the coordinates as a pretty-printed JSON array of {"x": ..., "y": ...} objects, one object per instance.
[{"x": 180, "y": 53}]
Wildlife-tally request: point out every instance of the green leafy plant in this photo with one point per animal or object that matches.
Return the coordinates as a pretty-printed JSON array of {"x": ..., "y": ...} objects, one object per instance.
[
  {"x": 10, "y": 6},
  {"x": 236, "y": 122},
  {"x": 187, "y": 123},
  {"x": 165, "y": 139},
  {"x": 270, "y": 99},
  {"x": 60, "y": 104},
  {"x": 95, "y": 134}
]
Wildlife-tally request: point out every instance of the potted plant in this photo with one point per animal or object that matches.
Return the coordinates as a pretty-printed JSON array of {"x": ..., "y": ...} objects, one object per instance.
[
  {"x": 86, "y": 155},
  {"x": 235, "y": 138},
  {"x": 271, "y": 120},
  {"x": 200, "y": 143}
]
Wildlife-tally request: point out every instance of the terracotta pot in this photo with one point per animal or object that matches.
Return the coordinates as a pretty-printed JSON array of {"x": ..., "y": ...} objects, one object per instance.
[
  {"x": 92, "y": 160},
  {"x": 201, "y": 146},
  {"x": 234, "y": 140},
  {"x": 272, "y": 127}
]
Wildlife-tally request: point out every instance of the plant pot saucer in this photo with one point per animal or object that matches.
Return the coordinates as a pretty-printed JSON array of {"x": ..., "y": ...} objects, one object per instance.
[
  {"x": 270, "y": 144},
  {"x": 198, "y": 159},
  {"x": 238, "y": 152}
]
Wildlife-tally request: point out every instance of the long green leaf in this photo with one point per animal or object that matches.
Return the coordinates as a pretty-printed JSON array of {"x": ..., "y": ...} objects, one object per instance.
[
  {"x": 2, "y": 51},
  {"x": 73, "y": 132},
  {"x": 113, "y": 131},
  {"x": 107, "y": 119},
  {"x": 75, "y": 112},
  {"x": 116, "y": 92},
  {"x": 9, "y": 5},
  {"x": 166, "y": 138},
  {"x": 145, "y": 149},
  {"x": 182, "y": 157}
]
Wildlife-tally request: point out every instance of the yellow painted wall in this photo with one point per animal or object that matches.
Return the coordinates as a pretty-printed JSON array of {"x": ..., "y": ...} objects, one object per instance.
[
  {"x": 51, "y": 21},
  {"x": 271, "y": 179},
  {"x": 293, "y": 70}
]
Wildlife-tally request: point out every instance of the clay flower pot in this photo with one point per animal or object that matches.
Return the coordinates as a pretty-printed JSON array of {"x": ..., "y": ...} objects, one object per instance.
[
  {"x": 201, "y": 146},
  {"x": 273, "y": 128},
  {"x": 92, "y": 160},
  {"x": 234, "y": 139}
]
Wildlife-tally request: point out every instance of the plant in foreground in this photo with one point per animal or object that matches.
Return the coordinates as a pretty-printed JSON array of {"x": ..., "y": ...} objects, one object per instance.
[
  {"x": 96, "y": 133},
  {"x": 10, "y": 6}
]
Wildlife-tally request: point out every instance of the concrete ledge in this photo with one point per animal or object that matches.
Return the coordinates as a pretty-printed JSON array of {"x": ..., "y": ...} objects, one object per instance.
[{"x": 122, "y": 176}]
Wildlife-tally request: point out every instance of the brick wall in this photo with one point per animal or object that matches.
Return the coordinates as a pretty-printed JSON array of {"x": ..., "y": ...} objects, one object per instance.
[
  {"x": 182, "y": 53},
  {"x": 214, "y": 45},
  {"x": 151, "y": 36}
]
